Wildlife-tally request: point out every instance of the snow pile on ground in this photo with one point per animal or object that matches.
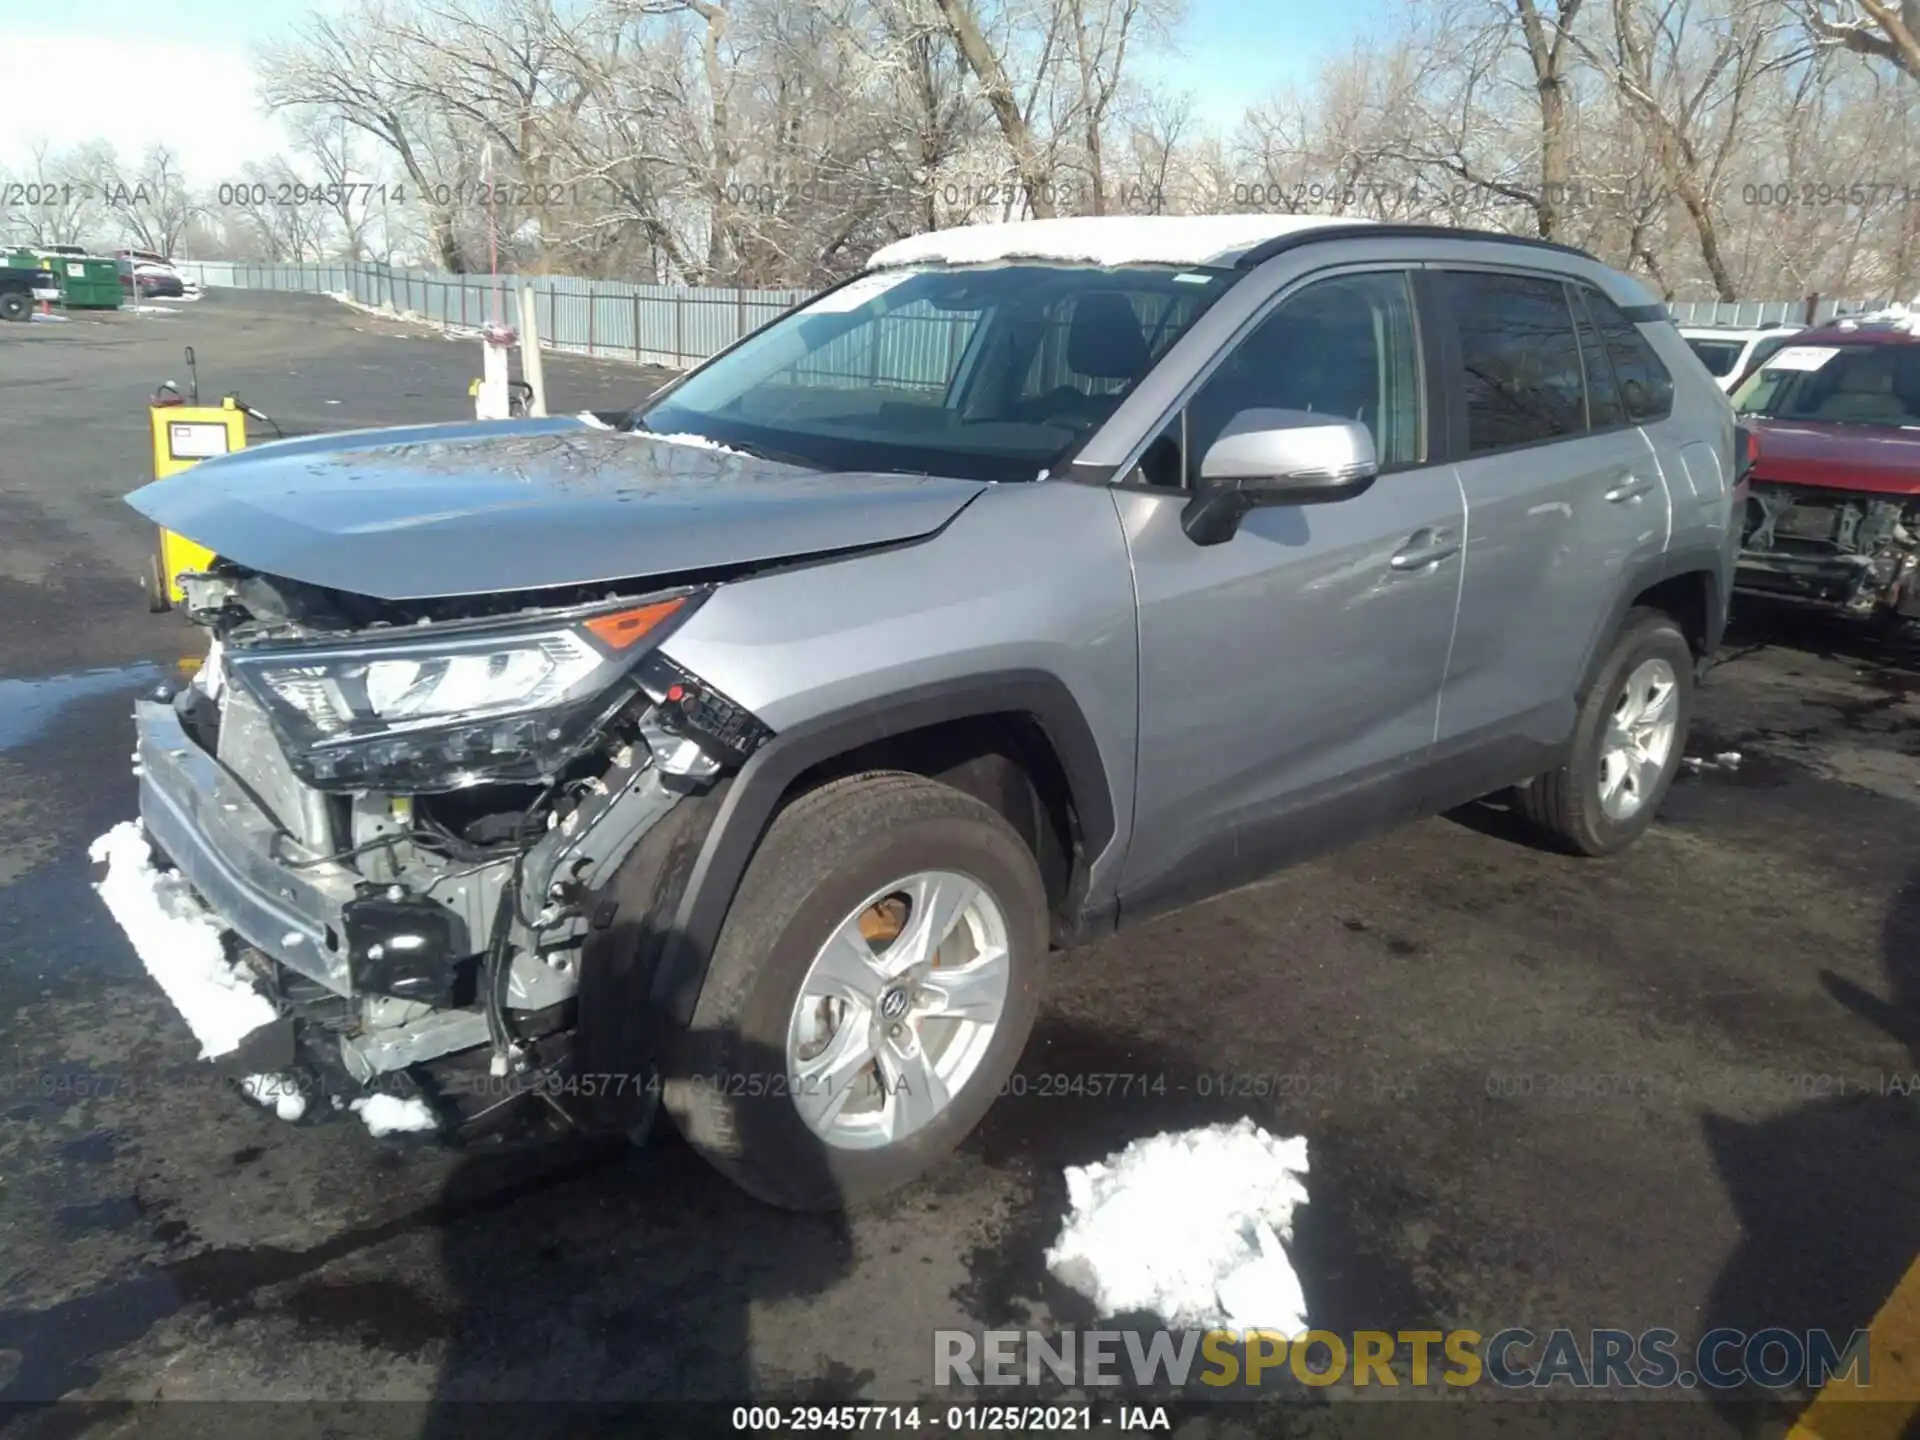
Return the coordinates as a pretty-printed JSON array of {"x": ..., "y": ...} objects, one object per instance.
[
  {"x": 178, "y": 941},
  {"x": 1725, "y": 760},
  {"x": 389, "y": 1114},
  {"x": 279, "y": 1093},
  {"x": 1189, "y": 1226}
]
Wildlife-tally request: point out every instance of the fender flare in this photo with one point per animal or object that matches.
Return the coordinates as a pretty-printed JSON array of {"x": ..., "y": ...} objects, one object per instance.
[
  {"x": 752, "y": 797},
  {"x": 1708, "y": 560}
]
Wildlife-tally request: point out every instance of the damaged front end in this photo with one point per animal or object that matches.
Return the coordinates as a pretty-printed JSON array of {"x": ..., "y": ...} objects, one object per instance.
[
  {"x": 1859, "y": 553},
  {"x": 405, "y": 811}
]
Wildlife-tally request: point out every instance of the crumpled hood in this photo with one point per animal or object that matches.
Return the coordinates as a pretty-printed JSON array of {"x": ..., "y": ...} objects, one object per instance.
[{"x": 433, "y": 511}]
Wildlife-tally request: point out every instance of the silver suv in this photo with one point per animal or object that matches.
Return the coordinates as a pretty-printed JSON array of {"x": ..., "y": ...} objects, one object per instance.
[{"x": 749, "y": 754}]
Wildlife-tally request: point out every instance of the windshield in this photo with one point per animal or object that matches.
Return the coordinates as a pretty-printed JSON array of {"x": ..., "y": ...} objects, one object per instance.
[
  {"x": 1844, "y": 384},
  {"x": 1718, "y": 355},
  {"x": 985, "y": 372}
]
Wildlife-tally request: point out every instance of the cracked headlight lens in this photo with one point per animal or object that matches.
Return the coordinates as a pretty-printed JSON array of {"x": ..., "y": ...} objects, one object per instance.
[{"x": 461, "y": 705}]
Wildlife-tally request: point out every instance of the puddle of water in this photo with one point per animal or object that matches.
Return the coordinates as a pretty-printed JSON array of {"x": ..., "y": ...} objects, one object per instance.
[{"x": 28, "y": 707}]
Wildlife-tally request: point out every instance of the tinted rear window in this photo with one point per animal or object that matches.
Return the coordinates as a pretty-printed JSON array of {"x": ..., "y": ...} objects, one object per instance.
[{"x": 1646, "y": 385}]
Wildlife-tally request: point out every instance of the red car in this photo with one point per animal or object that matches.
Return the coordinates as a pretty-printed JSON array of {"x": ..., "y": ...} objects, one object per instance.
[{"x": 1833, "y": 516}]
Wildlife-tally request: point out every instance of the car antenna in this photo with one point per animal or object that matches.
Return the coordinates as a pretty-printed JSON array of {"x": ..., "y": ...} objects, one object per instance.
[{"x": 193, "y": 378}]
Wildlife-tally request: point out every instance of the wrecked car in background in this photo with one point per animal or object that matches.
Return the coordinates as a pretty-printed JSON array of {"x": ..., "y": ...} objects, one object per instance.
[
  {"x": 751, "y": 756},
  {"x": 1834, "y": 454}
]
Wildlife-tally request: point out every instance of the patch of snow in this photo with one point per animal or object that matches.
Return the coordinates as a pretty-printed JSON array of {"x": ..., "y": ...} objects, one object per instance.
[
  {"x": 697, "y": 442},
  {"x": 1189, "y": 1226},
  {"x": 279, "y": 1093},
  {"x": 1103, "y": 240},
  {"x": 593, "y": 421},
  {"x": 1904, "y": 316},
  {"x": 38, "y": 318},
  {"x": 1725, "y": 760},
  {"x": 179, "y": 941},
  {"x": 145, "y": 310},
  {"x": 390, "y": 1115}
]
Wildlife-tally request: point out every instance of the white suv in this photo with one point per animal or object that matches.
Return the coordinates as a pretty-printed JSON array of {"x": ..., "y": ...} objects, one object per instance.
[{"x": 1730, "y": 354}]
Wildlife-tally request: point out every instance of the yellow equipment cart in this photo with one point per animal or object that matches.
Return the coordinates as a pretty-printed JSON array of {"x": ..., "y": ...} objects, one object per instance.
[{"x": 183, "y": 436}]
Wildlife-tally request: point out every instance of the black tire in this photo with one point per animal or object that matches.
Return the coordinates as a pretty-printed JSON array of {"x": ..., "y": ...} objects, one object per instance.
[
  {"x": 14, "y": 305},
  {"x": 822, "y": 856},
  {"x": 1564, "y": 804}
]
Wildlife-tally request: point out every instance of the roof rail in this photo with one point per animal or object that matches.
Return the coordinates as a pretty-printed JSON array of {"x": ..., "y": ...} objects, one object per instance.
[{"x": 1279, "y": 244}]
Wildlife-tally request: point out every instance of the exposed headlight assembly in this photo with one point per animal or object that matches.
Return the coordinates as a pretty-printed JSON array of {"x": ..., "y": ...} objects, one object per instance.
[{"x": 469, "y": 703}]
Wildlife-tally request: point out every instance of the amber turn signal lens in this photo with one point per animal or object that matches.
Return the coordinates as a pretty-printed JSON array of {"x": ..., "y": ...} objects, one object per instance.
[{"x": 624, "y": 627}]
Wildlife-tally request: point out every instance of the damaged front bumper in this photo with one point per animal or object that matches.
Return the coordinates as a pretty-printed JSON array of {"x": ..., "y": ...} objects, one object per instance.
[
  {"x": 1858, "y": 553},
  {"x": 387, "y": 960}
]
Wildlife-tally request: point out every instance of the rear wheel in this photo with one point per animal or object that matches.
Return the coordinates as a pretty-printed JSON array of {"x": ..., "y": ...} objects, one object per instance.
[
  {"x": 872, "y": 989},
  {"x": 1627, "y": 743}
]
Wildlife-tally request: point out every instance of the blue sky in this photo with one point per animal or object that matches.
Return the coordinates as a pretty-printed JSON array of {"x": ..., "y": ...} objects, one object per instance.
[{"x": 182, "y": 72}]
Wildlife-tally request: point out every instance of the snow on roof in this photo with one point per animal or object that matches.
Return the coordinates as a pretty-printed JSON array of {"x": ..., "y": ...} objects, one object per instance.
[
  {"x": 1897, "y": 316},
  {"x": 1104, "y": 240}
]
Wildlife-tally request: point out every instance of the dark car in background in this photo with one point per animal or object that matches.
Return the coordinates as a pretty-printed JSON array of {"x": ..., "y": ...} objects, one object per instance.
[
  {"x": 1833, "y": 515},
  {"x": 153, "y": 281},
  {"x": 22, "y": 288}
]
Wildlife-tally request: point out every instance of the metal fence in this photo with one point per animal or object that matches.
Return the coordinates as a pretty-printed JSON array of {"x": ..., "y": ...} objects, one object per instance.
[
  {"x": 679, "y": 326},
  {"x": 668, "y": 325},
  {"x": 1754, "y": 314}
]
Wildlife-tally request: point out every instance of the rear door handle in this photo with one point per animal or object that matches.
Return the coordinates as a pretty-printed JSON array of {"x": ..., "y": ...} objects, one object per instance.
[
  {"x": 1427, "y": 547},
  {"x": 1629, "y": 487}
]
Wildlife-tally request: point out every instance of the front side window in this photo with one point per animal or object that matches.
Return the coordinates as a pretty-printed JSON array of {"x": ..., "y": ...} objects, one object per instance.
[
  {"x": 1344, "y": 347},
  {"x": 992, "y": 372},
  {"x": 1519, "y": 359}
]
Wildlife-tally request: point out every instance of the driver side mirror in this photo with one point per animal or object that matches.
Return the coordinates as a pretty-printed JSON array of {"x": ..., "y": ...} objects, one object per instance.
[{"x": 1277, "y": 457}]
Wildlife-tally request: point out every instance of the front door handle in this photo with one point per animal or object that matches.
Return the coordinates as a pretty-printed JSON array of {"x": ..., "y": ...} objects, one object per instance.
[
  {"x": 1627, "y": 488},
  {"x": 1427, "y": 547}
]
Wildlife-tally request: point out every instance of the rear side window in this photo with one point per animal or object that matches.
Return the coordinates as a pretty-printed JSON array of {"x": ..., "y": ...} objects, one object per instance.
[
  {"x": 1519, "y": 357},
  {"x": 1646, "y": 385},
  {"x": 1604, "y": 407}
]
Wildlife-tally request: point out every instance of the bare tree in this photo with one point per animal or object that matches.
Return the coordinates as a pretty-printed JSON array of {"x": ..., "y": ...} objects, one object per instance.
[{"x": 151, "y": 204}]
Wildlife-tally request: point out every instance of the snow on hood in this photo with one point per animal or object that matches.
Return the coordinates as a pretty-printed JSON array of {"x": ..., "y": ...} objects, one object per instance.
[
  {"x": 1104, "y": 240},
  {"x": 1189, "y": 1226},
  {"x": 179, "y": 941}
]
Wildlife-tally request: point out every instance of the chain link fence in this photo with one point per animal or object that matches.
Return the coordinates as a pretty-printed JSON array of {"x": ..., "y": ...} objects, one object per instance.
[
  {"x": 679, "y": 326},
  {"x": 669, "y": 325}
]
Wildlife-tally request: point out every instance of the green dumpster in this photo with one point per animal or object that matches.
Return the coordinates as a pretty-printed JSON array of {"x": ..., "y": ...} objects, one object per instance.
[{"x": 87, "y": 282}]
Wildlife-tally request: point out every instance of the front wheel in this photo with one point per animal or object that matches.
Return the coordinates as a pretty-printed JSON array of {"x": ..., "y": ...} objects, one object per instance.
[
  {"x": 871, "y": 991},
  {"x": 1627, "y": 742},
  {"x": 14, "y": 306}
]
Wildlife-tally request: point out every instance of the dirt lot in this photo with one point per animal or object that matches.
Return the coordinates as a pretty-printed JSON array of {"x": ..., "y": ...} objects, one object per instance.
[{"x": 1668, "y": 1090}]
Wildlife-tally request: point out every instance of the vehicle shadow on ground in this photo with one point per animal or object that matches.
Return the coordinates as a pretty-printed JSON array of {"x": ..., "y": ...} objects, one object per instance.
[
  {"x": 1757, "y": 623},
  {"x": 622, "y": 1301},
  {"x": 1828, "y": 1193}
]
